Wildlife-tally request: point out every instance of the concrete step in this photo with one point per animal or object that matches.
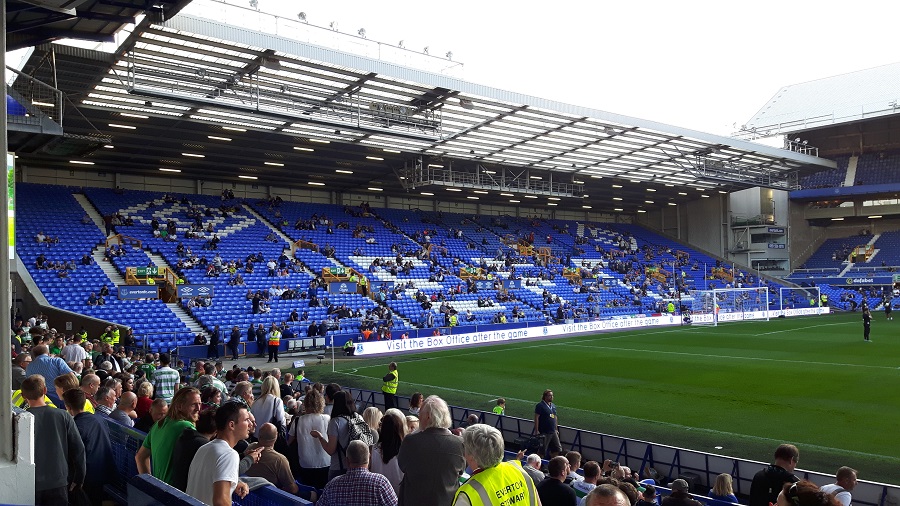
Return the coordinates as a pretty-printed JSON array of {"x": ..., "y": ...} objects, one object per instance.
[
  {"x": 91, "y": 211},
  {"x": 107, "y": 267},
  {"x": 189, "y": 321}
]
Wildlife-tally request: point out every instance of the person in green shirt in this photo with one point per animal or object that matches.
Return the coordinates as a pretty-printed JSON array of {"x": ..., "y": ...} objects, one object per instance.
[
  {"x": 148, "y": 366},
  {"x": 500, "y": 408},
  {"x": 160, "y": 441}
]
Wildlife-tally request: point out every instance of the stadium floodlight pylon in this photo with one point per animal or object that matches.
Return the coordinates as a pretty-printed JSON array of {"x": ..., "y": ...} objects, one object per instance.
[
  {"x": 796, "y": 298},
  {"x": 712, "y": 307}
]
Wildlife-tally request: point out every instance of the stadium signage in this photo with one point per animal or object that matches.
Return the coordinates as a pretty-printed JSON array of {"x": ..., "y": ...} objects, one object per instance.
[
  {"x": 147, "y": 271},
  {"x": 857, "y": 281},
  {"x": 513, "y": 284},
  {"x": 196, "y": 290},
  {"x": 484, "y": 284},
  {"x": 341, "y": 287},
  {"x": 775, "y": 245},
  {"x": 507, "y": 335},
  {"x": 334, "y": 271},
  {"x": 132, "y": 292},
  {"x": 776, "y": 230}
]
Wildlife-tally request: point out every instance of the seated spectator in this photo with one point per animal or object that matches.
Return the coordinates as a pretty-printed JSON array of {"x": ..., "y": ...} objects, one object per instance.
[
  {"x": 680, "y": 495},
  {"x": 722, "y": 491},
  {"x": 552, "y": 490}
]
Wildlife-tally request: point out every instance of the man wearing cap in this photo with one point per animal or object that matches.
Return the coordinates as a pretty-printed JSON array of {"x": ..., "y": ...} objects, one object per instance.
[
  {"x": 768, "y": 482},
  {"x": 680, "y": 495}
]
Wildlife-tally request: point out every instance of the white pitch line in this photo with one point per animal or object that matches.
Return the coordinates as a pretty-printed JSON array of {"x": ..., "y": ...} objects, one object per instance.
[
  {"x": 801, "y": 328},
  {"x": 734, "y": 357},
  {"x": 656, "y": 422}
]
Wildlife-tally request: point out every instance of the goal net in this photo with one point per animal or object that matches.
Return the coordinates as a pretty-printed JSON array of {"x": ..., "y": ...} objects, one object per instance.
[
  {"x": 796, "y": 298},
  {"x": 711, "y": 307}
]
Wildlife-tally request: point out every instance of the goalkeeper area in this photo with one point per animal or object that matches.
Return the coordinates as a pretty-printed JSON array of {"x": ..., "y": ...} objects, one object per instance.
[{"x": 738, "y": 389}]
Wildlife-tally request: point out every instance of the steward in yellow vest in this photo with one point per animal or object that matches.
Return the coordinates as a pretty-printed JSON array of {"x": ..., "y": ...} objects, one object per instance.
[
  {"x": 494, "y": 482},
  {"x": 389, "y": 389}
]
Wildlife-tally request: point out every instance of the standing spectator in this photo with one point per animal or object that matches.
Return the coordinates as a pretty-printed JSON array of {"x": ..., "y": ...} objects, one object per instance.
[
  {"x": 271, "y": 465},
  {"x": 213, "y": 474},
  {"x": 844, "y": 484},
  {"x": 268, "y": 407},
  {"x": 546, "y": 423},
  {"x": 161, "y": 438},
  {"x": 591, "y": 475},
  {"x": 552, "y": 491},
  {"x": 124, "y": 412},
  {"x": 59, "y": 461},
  {"x": 384, "y": 453},
  {"x": 415, "y": 403},
  {"x": 44, "y": 364},
  {"x": 359, "y": 485},
  {"x": 97, "y": 446},
  {"x": 314, "y": 460},
  {"x": 343, "y": 414},
  {"x": 165, "y": 379},
  {"x": 212, "y": 350},
  {"x": 500, "y": 408},
  {"x": 159, "y": 408},
  {"x": 187, "y": 445},
  {"x": 273, "y": 340},
  {"x": 261, "y": 340},
  {"x": 74, "y": 352},
  {"x": 144, "y": 400},
  {"x": 234, "y": 341},
  {"x": 648, "y": 497},
  {"x": 389, "y": 389},
  {"x": 722, "y": 490},
  {"x": 493, "y": 481},
  {"x": 432, "y": 459},
  {"x": 18, "y": 369},
  {"x": 90, "y": 383},
  {"x": 768, "y": 482}
]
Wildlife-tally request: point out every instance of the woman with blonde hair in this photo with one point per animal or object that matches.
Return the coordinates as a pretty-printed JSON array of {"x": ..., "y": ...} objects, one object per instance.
[
  {"x": 145, "y": 398},
  {"x": 372, "y": 416},
  {"x": 314, "y": 460},
  {"x": 722, "y": 490},
  {"x": 268, "y": 407}
]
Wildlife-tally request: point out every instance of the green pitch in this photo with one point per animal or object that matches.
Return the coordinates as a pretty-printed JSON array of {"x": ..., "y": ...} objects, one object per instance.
[{"x": 745, "y": 387}]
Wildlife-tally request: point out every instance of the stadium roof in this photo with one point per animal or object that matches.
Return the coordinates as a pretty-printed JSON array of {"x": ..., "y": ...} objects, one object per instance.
[
  {"x": 33, "y": 22},
  {"x": 861, "y": 95},
  {"x": 220, "y": 101}
]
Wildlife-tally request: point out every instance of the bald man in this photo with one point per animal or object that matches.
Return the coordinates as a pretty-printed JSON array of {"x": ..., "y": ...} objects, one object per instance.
[
  {"x": 606, "y": 495},
  {"x": 124, "y": 412},
  {"x": 272, "y": 465}
]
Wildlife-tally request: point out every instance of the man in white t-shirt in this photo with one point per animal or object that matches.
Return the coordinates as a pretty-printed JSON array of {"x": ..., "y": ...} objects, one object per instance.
[
  {"x": 845, "y": 482},
  {"x": 213, "y": 475},
  {"x": 74, "y": 352}
]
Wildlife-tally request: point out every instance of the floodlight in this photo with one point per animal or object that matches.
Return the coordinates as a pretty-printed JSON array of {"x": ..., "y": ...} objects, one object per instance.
[
  {"x": 797, "y": 139},
  {"x": 361, "y": 32},
  {"x": 425, "y": 50},
  {"x": 400, "y": 44},
  {"x": 254, "y": 4},
  {"x": 449, "y": 55},
  {"x": 333, "y": 25},
  {"x": 302, "y": 17}
]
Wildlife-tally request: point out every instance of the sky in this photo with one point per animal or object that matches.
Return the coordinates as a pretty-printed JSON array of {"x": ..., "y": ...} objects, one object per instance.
[{"x": 705, "y": 65}]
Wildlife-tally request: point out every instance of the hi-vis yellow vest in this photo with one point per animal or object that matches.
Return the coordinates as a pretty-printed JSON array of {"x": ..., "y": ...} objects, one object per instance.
[
  {"x": 274, "y": 338},
  {"x": 390, "y": 387},
  {"x": 505, "y": 484}
]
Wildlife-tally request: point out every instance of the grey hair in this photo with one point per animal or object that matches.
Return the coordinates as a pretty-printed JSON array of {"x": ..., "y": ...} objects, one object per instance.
[
  {"x": 357, "y": 453},
  {"x": 534, "y": 458},
  {"x": 484, "y": 444},
  {"x": 438, "y": 412}
]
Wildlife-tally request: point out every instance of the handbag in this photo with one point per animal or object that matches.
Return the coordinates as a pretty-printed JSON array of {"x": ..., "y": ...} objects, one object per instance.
[{"x": 281, "y": 445}]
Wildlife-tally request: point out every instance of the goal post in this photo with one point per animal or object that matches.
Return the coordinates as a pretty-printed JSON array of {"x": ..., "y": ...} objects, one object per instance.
[
  {"x": 711, "y": 307},
  {"x": 800, "y": 297}
]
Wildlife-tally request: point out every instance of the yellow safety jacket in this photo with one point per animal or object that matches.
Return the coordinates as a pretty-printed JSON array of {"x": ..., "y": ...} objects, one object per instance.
[
  {"x": 274, "y": 338},
  {"x": 390, "y": 387},
  {"x": 502, "y": 485}
]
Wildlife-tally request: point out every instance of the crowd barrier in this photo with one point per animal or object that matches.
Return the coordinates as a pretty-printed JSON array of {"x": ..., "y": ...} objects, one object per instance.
[
  {"x": 126, "y": 487},
  {"x": 669, "y": 461}
]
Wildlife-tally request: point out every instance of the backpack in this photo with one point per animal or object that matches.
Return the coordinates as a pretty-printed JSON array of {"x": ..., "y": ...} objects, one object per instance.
[{"x": 357, "y": 430}]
